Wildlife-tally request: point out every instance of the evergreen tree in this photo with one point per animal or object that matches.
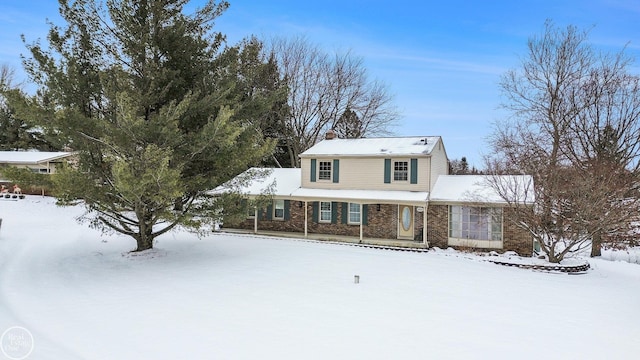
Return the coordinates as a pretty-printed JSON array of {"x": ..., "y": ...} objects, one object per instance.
[
  {"x": 460, "y": 167},
  {"x": 145, "y": 93},
  {"x": 16, "y": 133}
]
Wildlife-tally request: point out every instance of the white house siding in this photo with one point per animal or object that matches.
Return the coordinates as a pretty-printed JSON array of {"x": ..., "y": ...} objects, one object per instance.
[
  {"x": 439, "y": 162},
  {"x": 39, "y": 168},
  {"x": 367, "y": 173}
]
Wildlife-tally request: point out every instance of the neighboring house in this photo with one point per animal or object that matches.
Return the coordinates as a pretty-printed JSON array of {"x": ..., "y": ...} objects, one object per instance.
[
  {"x": 383, "y": 188},
  {"x": 37, "y": 161}
]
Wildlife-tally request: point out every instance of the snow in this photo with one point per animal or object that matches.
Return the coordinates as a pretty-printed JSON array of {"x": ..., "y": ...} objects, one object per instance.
[
  {"x": 30, "y": 157},
  {"x": 284, "y": 182},
  {"x": 84, "y": 296},
  {"x": 260, "y": 181},
  {"x": 477, "y": 188},
  {"x": 397, "y": 146}
]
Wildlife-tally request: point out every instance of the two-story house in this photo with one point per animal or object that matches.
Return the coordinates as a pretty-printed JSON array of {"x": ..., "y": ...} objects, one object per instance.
[{"x": 384, "y": 188}]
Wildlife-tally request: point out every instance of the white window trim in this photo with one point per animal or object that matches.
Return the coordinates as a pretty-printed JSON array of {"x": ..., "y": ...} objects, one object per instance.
[
  {"x": 330, "y": 212},
  {"x": 393, "y": 170},
  {"x": 273, "y": 215},
  {"x": 349, "y": 222},
  {"x": 476, "y": 243},
  {"x": 330, "y": 170}
]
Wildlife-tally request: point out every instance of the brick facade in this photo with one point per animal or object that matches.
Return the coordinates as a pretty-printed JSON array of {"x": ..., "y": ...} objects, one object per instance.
[
  {"x": 438, "y": 225},
  {"x": 383, "y": 224},
  {"x": 514, "y": 238}
]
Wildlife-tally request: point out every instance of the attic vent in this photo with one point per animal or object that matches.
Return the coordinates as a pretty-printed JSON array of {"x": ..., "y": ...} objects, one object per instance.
[{"x": 423, "y": 140}]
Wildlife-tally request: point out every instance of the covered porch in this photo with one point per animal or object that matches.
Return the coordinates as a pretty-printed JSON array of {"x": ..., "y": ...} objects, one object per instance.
[{"x": 398, "y": 216}]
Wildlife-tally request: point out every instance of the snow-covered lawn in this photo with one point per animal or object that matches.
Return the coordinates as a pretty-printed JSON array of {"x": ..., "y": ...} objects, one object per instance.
[{"x": 83, "y": 296}]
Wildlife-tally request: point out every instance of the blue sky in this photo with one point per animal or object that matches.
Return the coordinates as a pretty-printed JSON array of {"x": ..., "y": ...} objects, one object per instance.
[{"x": 441, "y": 60}]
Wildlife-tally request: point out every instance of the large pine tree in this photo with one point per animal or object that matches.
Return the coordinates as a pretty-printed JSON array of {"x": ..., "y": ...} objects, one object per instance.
[{"x": 146, "y": 94}]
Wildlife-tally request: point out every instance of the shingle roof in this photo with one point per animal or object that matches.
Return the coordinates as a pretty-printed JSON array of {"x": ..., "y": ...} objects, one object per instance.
[{"x": 398, "y": 146}]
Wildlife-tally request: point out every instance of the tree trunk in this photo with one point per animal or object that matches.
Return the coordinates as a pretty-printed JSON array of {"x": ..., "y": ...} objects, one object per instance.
[
  {"x": 145, "y": 235},
  {"x": 596, "y": 244},
  {"x": 145, "y": 242},
  {"x": 554, "y": 259}
]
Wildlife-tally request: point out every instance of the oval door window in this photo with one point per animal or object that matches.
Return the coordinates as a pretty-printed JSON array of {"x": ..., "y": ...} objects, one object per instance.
[{"x": 406, "y": 218}]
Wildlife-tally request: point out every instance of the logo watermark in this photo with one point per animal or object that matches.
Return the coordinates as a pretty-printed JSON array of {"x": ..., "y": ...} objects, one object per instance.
[{"x": 16, "y": 343}]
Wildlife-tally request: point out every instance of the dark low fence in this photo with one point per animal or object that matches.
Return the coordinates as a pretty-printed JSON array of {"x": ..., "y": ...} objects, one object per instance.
[{"x": 548, "y": 267}]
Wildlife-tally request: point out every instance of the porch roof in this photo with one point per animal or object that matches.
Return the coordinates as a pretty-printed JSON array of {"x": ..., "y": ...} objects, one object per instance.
[
  {"x": 492, "y": 189},
  {"x": 31, "y": 157},
  {"x": 363, "y": 196}
]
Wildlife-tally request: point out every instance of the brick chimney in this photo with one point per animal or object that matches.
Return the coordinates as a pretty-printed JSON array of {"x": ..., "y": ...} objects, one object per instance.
[{"x": 330, "y": 135}]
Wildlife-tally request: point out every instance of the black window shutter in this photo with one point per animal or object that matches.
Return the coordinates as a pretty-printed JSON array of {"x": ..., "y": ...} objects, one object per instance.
[
  {"x": 365, "y": 212},
  {"x": 315, "y": 211},
  {"x": 387, "y": 171},
  {"x": 345, "y": 212},
  {"x": 287, "y": 209},
  {"x": 336, "y": 170},
  {"x": 334, "y": 212},
  {"x": 313, "y": 170},
  {"x": 414, "y": 171},
  {"x": 269, "y": 212}
]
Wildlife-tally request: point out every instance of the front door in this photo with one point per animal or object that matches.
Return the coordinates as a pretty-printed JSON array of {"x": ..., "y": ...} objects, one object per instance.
[{"x": 405, "y": 222}]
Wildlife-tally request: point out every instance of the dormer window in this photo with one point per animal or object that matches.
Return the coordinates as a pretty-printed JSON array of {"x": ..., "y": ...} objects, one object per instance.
[
  {"x": 400, "y": 170},
  {"x": 324, "y": 170}
]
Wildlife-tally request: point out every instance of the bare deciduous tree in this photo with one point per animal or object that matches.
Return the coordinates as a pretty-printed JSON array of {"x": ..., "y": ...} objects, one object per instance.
[
  {"x": 322, "y": 88},
  {"x": 574, "y": 128}
]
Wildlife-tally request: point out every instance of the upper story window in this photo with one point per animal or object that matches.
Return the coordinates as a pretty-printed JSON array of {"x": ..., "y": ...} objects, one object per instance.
[
  {"x": 324, "y": 170},
  {"x": 400, "y": 170}
]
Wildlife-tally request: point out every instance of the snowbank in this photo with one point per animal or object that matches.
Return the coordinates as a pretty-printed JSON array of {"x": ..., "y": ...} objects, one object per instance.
[{"x": 84, "y": 296}]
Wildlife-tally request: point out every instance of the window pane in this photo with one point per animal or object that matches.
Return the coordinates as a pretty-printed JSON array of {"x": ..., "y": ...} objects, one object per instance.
[
  {"x": 354, "y": 213},
  {"x": 477, "y": 223},
  {"x": 324, "y": 172},
  {"x": 278, "y": 209},
  {"x": 325, "y": 211},
  {"x": 400, "y": 170}
]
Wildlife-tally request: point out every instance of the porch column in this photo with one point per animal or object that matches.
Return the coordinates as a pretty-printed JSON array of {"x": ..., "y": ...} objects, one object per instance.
[
  {"x": 255, "y": 220},
  {"x": 424, "y": 225},
  {"x": 361, "y": 218},
  {"x": 305, "y": 218}
]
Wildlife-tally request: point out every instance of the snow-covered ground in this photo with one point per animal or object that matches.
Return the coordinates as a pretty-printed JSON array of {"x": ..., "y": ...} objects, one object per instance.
[{"x": 84, "y": 296}]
